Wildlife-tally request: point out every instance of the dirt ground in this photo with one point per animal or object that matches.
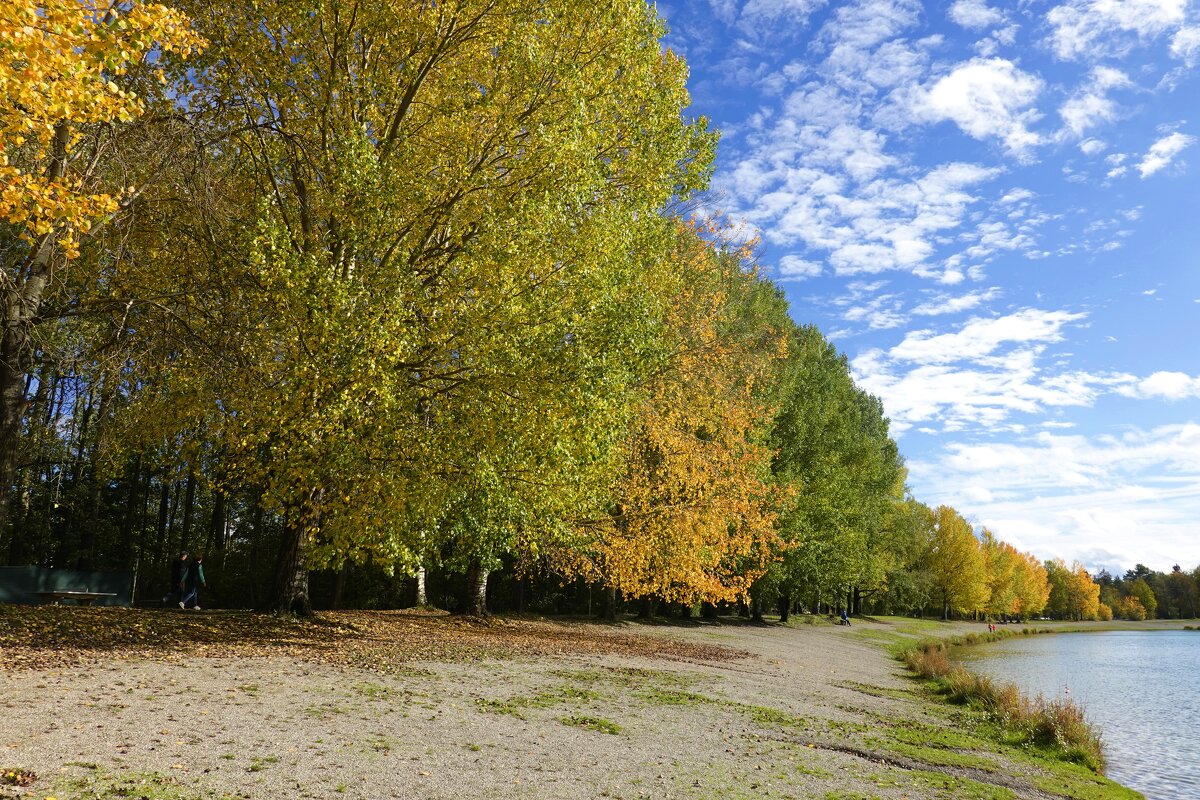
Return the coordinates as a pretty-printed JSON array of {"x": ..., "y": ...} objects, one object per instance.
[{"x": 406, "y": 706}]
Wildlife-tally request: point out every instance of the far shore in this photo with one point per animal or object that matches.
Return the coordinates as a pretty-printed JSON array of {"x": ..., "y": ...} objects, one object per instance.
[{"x": 100, "y": 702}]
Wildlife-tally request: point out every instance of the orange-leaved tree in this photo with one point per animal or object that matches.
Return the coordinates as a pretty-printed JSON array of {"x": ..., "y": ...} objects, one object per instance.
[{"x": 693, "y": 516}]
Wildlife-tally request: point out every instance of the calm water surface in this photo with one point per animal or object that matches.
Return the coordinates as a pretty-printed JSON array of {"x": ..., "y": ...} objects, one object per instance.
[{"x": 1141, "y": 688}]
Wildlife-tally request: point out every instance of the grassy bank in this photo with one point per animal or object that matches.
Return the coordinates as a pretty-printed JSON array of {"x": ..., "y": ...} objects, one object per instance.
[{"x": 1053, "y": 734}]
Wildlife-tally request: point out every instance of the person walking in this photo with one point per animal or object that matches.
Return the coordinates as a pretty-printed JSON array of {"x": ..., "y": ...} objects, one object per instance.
[
  {"x": 193, "y": 581},
  {"x": 175, "y": 588}
]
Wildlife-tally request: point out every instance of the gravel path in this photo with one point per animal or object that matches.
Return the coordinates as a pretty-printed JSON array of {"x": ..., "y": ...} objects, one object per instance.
[{"x": 794, "y": 718}]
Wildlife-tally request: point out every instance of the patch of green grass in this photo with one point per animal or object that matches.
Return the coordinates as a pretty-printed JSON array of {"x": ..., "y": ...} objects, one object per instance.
[
  {"x": 99, "y": 784},
  {"x": 259, "y": 764},
  {"x": 518, "y": 705},
  {"x": 593, "y": 724},
  {"x": 876, "y": 691},
  {"x": 672, "y": 697},
  {"x": 373, "y": 691},
  {"x": 936, "y": 756},
  {"x": 324, "y": 710},
  {"x": 771, "y": 717},
  {"x": 626, "y": 676},
  {"x": 952, "y": 787},
  {"x": 380, "y": 744}
]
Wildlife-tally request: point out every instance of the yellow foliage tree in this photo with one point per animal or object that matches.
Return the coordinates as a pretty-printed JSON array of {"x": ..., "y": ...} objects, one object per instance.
[
  {"x": 694, "y": 518},
  {"x": 62, "y": 64},
  {"x": 957, "y": 564}
]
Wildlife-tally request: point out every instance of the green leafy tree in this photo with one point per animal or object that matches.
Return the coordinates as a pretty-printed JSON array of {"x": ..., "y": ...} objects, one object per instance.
[{"x": 419, "y": 288}]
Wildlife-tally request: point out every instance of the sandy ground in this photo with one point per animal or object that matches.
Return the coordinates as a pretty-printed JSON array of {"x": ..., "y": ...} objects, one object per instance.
[{"x": 795, "y": 718}]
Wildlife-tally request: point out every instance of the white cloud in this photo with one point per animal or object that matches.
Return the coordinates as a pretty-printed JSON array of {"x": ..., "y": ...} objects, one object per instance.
[
  {"x": 1163, "y": 152},
  {"x": 981, "y": 337},
  {"x": 1092, "y": 29},
  {"x": 880, "y": 313},
  {"x": 793, "y": 268},
  {"x": 989, "y": 98},
  {"x": 1165, "y": 385},
  {"x": 975, "y": 15},
  {"x": 1093, "y": 147},
  {"x": 1131, "y": 497},
  {"x": 761, "y": 12},
  {"x": 950, "y": 304},
  {"x": 1185, "y": 44},
  {"x": 1092, "y": 106}
]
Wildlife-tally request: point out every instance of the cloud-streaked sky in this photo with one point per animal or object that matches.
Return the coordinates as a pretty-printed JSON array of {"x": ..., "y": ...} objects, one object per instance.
[{"x": 992, "y": 209}]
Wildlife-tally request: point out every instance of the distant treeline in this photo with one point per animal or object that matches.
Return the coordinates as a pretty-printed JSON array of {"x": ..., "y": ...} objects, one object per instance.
[{"x": 406, "y": 305}]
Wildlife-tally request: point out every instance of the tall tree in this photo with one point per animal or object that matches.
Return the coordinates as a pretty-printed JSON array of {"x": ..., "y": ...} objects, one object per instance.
[
  {"x": 832, "y": 446},
  {"x": 63, "y": 65},
  {"x": 693, "y": 516},
  {"x": 957, "y": 565},
  {"x": 420, "y": 277}
]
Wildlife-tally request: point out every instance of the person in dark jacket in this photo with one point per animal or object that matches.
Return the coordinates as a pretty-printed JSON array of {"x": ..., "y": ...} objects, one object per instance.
[
  {"x": 193, "y": 581},
  {"x": 175, "y": 588}
]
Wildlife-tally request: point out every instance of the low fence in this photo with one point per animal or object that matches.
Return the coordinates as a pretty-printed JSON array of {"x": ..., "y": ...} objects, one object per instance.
[{"x": 20, "y": 584}]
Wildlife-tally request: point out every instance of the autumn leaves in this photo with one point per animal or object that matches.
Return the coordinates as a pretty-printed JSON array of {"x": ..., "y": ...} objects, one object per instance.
[{"x": 400, "y": 280}]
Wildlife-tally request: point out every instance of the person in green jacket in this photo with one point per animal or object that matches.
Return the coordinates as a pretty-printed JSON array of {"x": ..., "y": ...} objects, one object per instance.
[{"x": 194, "y": 581}]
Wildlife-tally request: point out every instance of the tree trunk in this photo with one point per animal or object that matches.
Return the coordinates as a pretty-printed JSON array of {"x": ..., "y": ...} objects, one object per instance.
[
  {"x": 422, "y": 597},
  {"x": 21, "y": 301},
  {"x": 164, "y": 504},
  {"x": 216, "y": 529},
  {"x": 340, "y": 585},
  {"x": 857, "y": 602},
  {"x": 189, "y": 503},
  {"x": 134, "y": 482},
  {"x": 785, "y": 607},
  {"x": 756, "y": 610},
  {"x": 608, "y": 612},
  {"x": 708, "y": 611},
  {"x": 477, "y": 577},
  {"x": 291, "y": 570},
  {"x": 646, "y": 608}
]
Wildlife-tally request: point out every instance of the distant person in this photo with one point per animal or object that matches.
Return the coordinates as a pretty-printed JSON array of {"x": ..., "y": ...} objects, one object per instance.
[
  {"x": 194, "y": 581},
  {"x": 175, "y": 588},
  {"x": 845, "y": 618}
]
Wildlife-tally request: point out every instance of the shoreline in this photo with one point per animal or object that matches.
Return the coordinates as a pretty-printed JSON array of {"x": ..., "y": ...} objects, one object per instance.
[{"x": 698, "y": 711}]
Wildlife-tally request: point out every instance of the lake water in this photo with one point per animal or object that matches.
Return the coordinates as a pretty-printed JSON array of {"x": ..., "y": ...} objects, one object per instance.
[{"x": 1141, "y": 688}]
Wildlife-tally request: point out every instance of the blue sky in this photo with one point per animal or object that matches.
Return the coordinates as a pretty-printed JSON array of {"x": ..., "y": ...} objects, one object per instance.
[{"x": 990, "y": 209}]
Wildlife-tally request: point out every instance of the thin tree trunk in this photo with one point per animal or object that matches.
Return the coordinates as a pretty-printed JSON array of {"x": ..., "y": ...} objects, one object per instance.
[
  {"x": 340, "y": 585},
  {"x": 134, "y": 480},
  {"x": 422, "y": 597},
  {"x": 216, "y": 528},
  {"x": 164, "y": 505},
  {"x": 785, "y": 607},
  {"x": 477, "y": 576},
  {"x": 189, "y": 503}
]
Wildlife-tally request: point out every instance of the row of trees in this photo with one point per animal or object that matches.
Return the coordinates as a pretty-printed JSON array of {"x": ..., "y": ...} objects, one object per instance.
[
  {"x": 402, "y": 289},
  {"x": 406, "y": 301}
]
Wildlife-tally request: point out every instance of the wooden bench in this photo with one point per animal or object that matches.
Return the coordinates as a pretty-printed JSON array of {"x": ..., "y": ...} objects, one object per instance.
[{"x": 80, "y": 598}]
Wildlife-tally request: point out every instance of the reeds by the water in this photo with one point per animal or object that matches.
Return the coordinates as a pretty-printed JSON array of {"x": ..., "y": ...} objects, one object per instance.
[{"x": 1056, "y": 724}]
